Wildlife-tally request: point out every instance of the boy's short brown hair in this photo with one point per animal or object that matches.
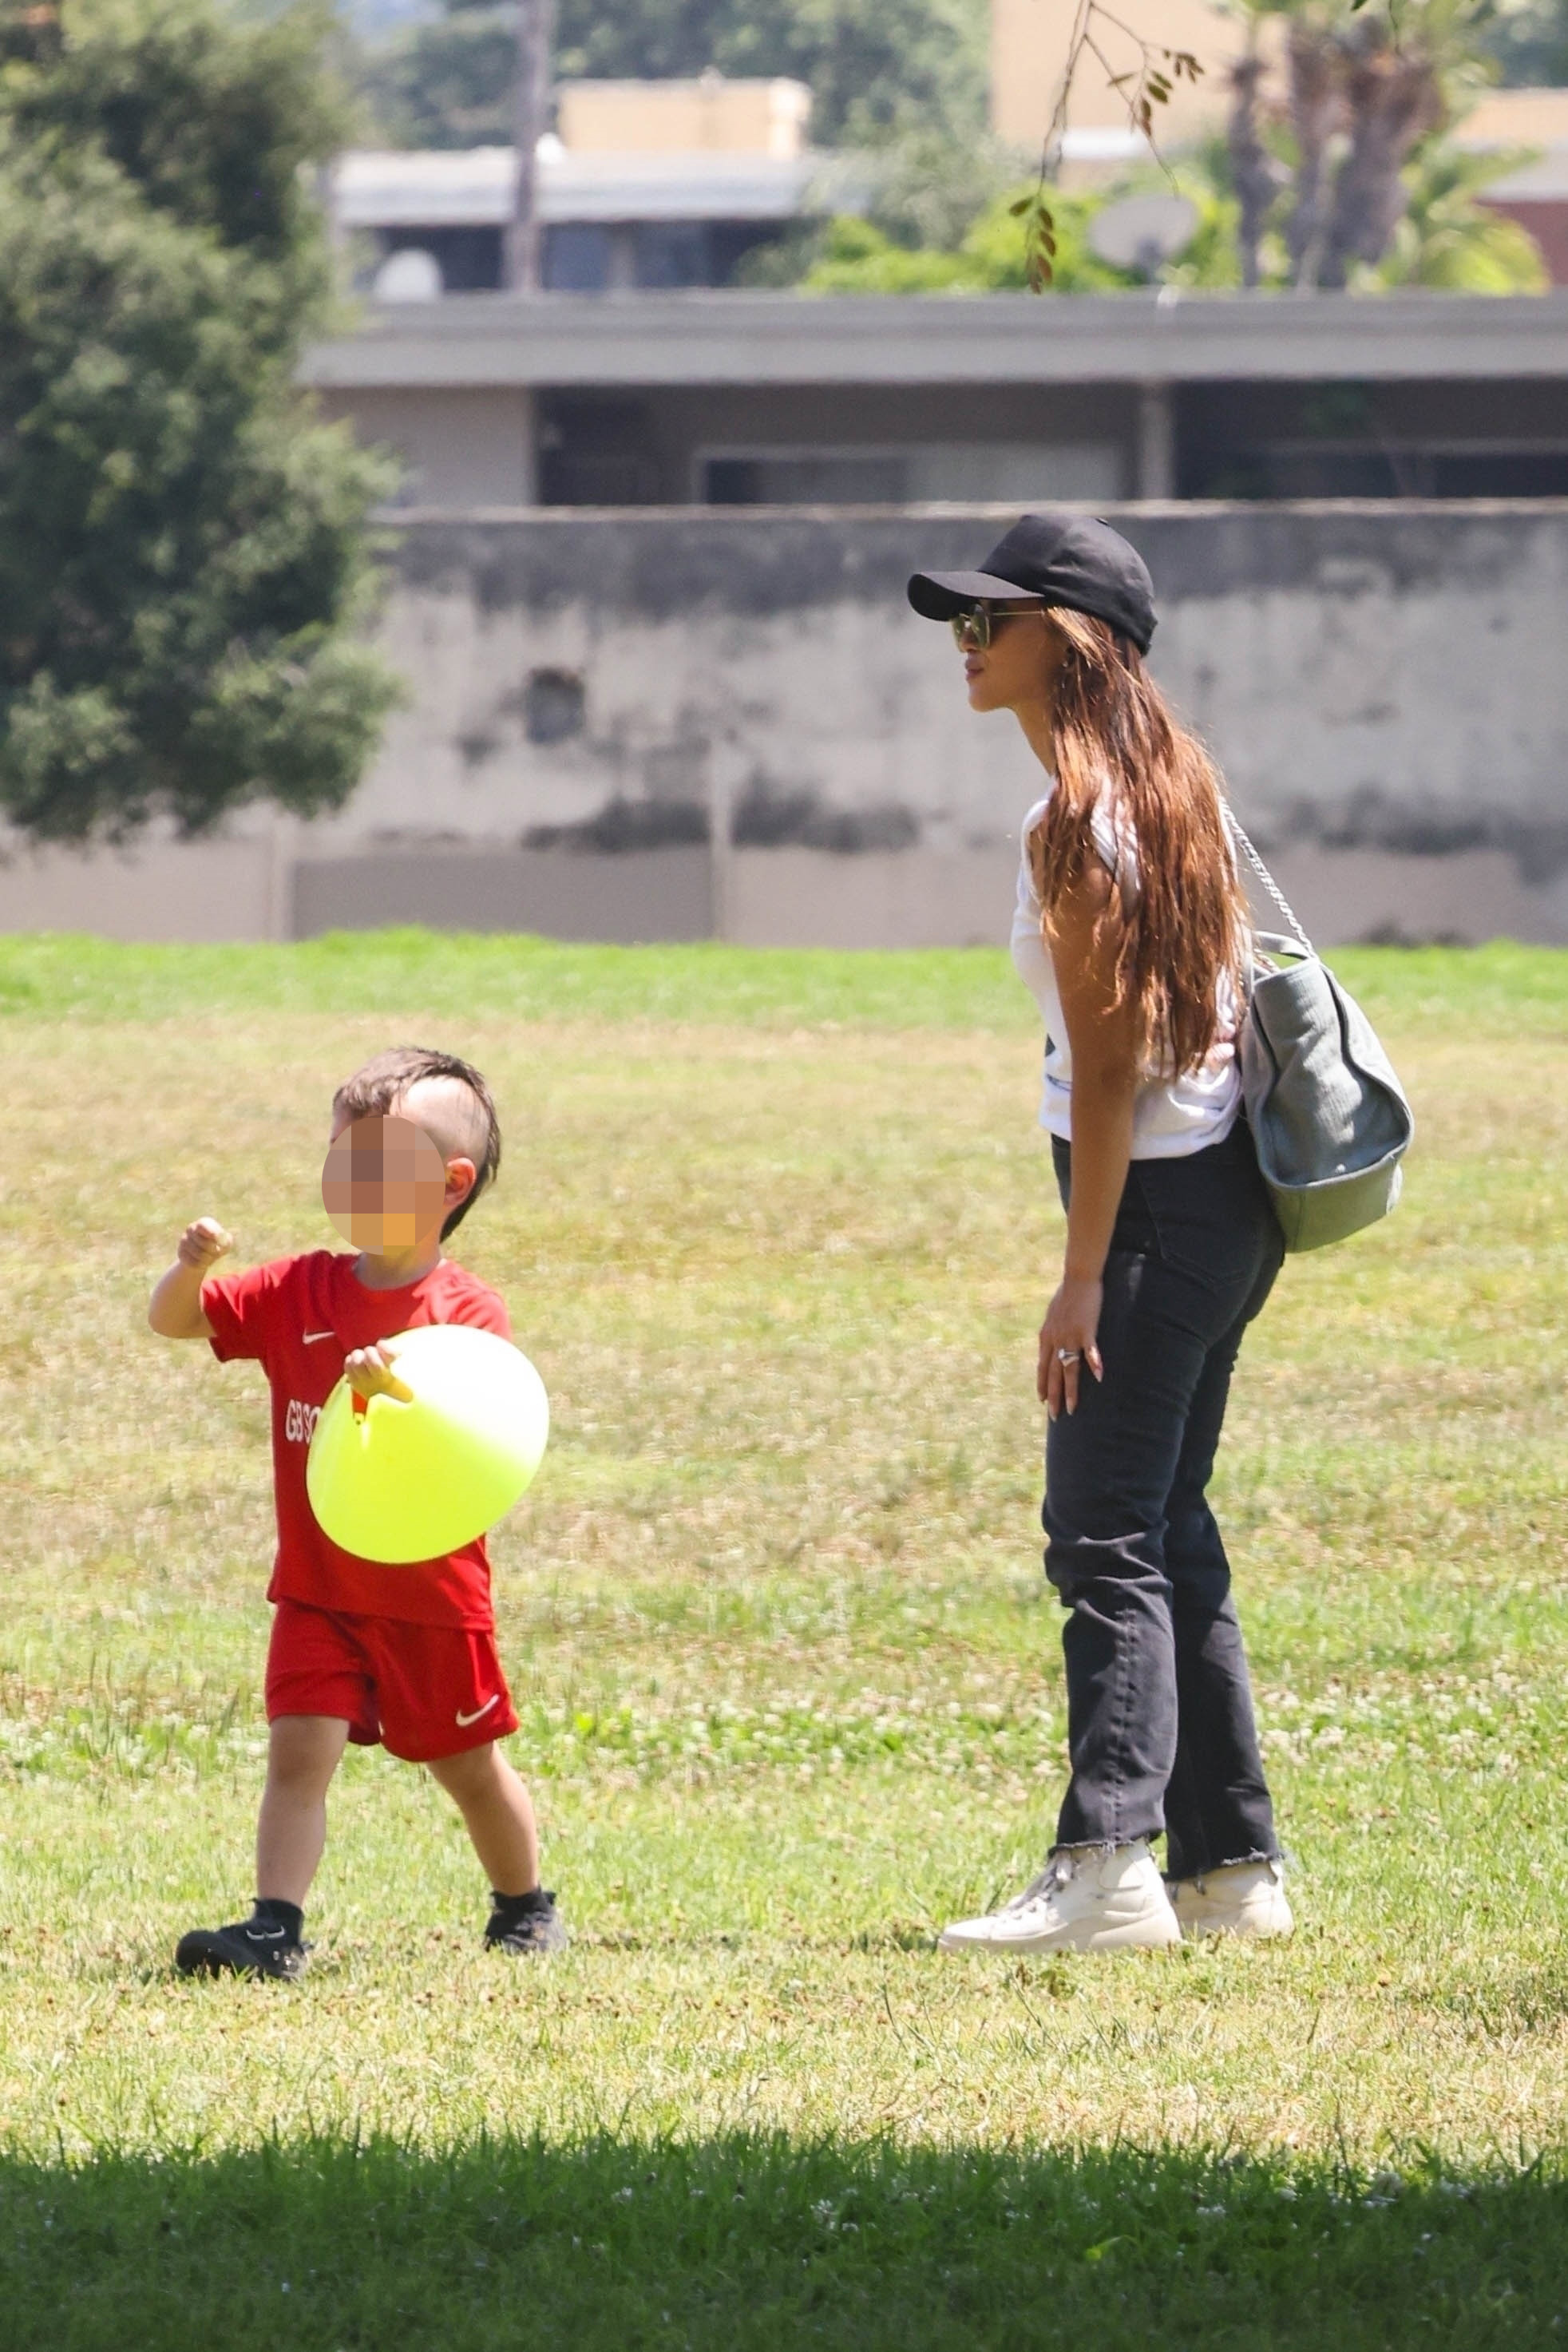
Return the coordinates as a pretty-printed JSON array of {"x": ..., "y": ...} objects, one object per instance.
[{"x": 464, "y": 1124}]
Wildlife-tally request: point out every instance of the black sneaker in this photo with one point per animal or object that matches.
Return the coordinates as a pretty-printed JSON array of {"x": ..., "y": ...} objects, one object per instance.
[
  {"x": 530, "y": 1933},
  {"x": 252, "y": 1947}
]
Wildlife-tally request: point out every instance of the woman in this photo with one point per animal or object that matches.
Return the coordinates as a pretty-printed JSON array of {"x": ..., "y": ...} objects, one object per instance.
[{"x": 1132, "y": 933}]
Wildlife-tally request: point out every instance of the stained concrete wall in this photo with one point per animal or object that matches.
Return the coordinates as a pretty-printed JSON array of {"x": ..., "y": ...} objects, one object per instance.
[
  {"x": 650, "y": 725},
  {"x": 1384, "y": 685}
]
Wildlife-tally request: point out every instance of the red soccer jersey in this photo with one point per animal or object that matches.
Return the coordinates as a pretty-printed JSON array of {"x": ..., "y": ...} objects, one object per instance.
[{"x": 298, "y": 1318}]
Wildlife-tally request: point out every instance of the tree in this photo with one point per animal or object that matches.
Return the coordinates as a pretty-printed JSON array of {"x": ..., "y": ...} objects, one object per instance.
[
  {"x": 876, "y": 67},
  {"x": 184, "y": 554},
  {"x": 1446, "y": 238},
  {"x": 447, "y": 84},
  {"x": 858, "y": 256},
  {"x": 1335, "y": 168},
  {"x": 1529, "y": 40}
]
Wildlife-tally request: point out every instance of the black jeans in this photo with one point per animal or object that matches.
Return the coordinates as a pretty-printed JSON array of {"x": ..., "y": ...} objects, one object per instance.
[{"x": 1160, "y": 1724}]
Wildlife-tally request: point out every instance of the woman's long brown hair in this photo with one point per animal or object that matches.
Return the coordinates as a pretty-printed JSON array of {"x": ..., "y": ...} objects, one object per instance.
[{"x": 1185, "y": 925}]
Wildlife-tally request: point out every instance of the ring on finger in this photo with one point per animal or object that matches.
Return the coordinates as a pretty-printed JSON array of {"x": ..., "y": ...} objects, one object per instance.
[{"x": 1069, "y": 1355}]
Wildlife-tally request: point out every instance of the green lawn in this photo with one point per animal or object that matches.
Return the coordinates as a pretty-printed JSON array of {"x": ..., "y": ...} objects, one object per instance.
[{"x": 777, "y": 1230}]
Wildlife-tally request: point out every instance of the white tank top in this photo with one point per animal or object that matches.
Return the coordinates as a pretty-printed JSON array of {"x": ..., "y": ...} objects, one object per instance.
[{"x": 1172, "y": 1118}]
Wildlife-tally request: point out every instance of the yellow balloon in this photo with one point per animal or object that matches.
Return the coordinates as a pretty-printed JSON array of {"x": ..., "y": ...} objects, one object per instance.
[{"x": 406, "y": 1482}]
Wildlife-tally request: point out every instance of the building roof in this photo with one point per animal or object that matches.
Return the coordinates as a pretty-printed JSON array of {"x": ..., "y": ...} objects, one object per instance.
[
  {"x": 728, "y": 338},
  {"x": 473, "y": 186},
  {"x": 1542, "y": 181}
]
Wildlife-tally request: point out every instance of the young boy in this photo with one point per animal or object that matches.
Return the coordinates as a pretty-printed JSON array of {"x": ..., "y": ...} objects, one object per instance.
[{"x": 361, "y": 1652}]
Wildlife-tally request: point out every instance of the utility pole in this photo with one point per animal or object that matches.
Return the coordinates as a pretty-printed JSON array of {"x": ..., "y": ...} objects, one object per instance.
[{"x": 531, "y": 115}]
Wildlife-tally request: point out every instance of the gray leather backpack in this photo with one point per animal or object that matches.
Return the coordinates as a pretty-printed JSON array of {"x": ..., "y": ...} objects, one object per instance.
[{"x": 1330, "y": 1120}]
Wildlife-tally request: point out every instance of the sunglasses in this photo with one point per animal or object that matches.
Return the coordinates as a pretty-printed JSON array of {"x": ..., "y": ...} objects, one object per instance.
[{"x": 974, "y": 630}]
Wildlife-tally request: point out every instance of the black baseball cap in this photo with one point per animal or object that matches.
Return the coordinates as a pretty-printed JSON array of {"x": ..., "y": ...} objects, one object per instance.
[{"x": 1065, "y": 558}]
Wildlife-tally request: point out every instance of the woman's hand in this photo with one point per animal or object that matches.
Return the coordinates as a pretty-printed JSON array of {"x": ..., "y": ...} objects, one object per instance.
[{"x": 1071, "y": 1324}]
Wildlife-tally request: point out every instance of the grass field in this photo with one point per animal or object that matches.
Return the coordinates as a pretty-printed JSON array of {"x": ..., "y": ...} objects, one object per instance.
[{"x": 777, "y": 1230}]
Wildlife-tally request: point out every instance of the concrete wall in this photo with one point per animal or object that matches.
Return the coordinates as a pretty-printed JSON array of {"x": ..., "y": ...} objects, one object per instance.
[
  {"x": 239, "y": 888},
  {"x": 652, "y": 725},
  {"x": 654, "y": 894}
]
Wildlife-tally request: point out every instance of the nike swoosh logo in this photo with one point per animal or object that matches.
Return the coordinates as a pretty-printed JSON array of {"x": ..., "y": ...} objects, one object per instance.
[
  {"x": 464, "y": 1720},
  {"x": 312, "y": 1337}
]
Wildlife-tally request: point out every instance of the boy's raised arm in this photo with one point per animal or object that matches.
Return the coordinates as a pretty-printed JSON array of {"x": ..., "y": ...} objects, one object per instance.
[{"x": 175, "y": 1310}]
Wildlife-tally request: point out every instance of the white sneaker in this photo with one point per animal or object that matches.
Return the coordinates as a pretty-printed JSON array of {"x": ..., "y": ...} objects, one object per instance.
[
  {"x": 1244, "y": 1898},
  {"x": 1083, "y": 1900}
]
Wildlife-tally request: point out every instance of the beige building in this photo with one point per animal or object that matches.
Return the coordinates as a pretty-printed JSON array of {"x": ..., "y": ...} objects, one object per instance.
[
  {"x": 658, "y": 118},
  {"x": 1029, "y": 40}
]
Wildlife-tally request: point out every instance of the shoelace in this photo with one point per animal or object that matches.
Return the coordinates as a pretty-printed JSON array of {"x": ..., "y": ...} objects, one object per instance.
[{"x": 1056, "y": 1873}]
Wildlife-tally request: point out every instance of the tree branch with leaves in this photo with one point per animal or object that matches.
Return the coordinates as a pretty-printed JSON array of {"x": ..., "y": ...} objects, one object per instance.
[{"x": 1145, "y": 86}]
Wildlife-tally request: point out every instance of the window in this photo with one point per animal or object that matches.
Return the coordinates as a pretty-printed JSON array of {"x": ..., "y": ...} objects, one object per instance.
[
  {"x": 672, "y": 253},
  {"x": 576, "y": 257},
  {"x": 966, "y": 473}
]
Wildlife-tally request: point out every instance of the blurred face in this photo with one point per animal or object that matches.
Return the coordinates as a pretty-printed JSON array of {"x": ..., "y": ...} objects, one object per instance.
[
  {"x": 384, "y": 1185},
  {"x": 1018, "y": 664}
]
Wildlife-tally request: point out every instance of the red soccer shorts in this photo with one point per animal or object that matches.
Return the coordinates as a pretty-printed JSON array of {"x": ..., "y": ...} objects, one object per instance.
[{"x": 421, "y": 1691}]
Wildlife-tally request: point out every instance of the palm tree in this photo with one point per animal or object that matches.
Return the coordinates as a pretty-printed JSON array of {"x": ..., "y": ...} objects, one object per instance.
[{"x": 1364, "y": 87}]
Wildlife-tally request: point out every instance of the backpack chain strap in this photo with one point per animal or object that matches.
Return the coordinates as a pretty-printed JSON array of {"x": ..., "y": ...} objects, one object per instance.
[{"x": 1239, "y": 836}]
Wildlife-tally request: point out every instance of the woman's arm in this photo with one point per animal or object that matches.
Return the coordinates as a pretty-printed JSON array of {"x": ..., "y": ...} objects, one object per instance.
[{"x": 1102, "y": 1038}]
